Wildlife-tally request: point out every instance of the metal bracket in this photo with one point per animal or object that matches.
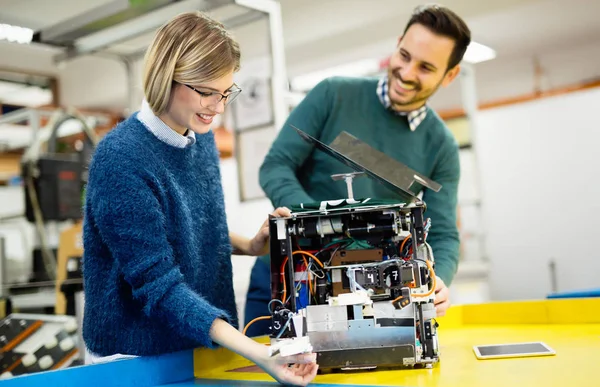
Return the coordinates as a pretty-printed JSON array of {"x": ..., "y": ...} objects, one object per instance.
[{"x": 348, "y": 177}]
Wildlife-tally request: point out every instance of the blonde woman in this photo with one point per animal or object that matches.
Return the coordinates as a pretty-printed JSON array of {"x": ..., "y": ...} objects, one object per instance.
[{"x": 157, "y": 268}]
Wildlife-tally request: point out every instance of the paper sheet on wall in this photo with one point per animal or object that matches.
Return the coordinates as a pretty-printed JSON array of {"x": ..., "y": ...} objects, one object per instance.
[{"x": 253, "y": 146}]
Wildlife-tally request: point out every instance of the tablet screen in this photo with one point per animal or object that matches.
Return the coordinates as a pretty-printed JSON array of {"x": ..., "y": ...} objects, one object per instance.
[{"x": 512, "y": 349}]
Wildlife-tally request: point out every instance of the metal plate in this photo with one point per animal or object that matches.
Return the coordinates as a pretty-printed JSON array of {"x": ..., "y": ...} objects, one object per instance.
[
  {"x": 362, "y": 338},
  {"x": 324, "y": 318},
  {"x": 397, "y": 356},
  {"x": 361, "y": 157}
]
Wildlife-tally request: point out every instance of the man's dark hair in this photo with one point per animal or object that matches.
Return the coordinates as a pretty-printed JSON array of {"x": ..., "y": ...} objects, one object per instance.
[{"x": 444, "y": 22}]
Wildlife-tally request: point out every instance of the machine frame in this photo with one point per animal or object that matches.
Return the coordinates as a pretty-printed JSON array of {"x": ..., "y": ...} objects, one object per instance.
[{"x": 362, "y": 272}]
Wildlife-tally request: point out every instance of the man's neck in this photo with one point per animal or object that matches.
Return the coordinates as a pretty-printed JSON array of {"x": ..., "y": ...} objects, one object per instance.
[{"x": 407, "y": 108}]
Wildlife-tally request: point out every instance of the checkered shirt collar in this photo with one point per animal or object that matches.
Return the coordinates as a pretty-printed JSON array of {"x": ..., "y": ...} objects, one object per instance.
[{"x": 415, "y": 117}]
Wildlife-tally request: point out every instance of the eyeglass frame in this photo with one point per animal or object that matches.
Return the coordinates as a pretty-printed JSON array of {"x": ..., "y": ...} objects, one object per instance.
[{"x": 223, "y": 96}]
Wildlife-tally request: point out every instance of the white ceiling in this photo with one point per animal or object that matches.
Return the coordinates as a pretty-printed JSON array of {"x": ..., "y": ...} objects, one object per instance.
[
  {"x": 316, "y": 28},
  {"x": 38, "y": 14},
  {"x": 324, "y": 33},
  {"x": 511, "y": 27},
  {"x": 539, "y": 26}
]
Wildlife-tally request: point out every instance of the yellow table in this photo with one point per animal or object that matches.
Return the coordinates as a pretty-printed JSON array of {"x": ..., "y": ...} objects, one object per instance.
[{"x": 570, "y": 326}]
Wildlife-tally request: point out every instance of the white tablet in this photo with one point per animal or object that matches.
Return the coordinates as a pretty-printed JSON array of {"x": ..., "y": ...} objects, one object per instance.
[{"x": 497, "y": 351}]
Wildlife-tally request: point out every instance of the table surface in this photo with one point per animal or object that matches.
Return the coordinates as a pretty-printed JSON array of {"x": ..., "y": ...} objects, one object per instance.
[{"x": 570, "y": 327}]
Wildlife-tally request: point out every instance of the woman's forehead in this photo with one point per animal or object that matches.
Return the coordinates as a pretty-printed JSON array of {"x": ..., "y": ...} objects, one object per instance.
[{"x": 220, "y": 85}]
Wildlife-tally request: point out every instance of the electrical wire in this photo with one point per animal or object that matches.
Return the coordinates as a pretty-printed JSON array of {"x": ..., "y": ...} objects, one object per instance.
[
  {"x": 287, "y": 324},
  {"x": 274, "y": 300},
  {"x": 310, "y": 255},
  {"x": 433, "y": 285},
  {"x": 253, "y": 321},
  {"x": 333, "y": 254},
  {"x": 401, "y": 249},
  {"x": 282, "y": 272}
]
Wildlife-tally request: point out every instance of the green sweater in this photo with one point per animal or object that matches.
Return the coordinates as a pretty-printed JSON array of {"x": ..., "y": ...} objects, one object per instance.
[{"x": 293, "y": 172}]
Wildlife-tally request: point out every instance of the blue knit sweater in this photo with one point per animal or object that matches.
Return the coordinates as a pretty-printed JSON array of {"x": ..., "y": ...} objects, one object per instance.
[{"x": 157, "y": 255}]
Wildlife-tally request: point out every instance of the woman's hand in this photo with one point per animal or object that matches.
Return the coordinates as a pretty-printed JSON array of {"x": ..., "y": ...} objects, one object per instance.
[
  {"x": 259, "y": 245},
  {"x": 301, "y": 372},
  {"x": 303, "y": 368}
]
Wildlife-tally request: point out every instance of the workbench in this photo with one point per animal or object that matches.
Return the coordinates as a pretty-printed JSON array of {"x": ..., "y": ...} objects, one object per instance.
[{"x": 569, "y": 326}]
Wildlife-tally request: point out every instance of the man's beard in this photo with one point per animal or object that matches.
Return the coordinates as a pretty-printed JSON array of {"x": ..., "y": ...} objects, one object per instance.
[
  {"x": 419, "y": 97},
  {"x": 420, "y": 94}
]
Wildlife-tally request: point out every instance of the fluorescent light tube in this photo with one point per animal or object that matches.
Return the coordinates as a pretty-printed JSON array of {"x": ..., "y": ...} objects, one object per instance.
[
  {"x": 477, "y": 52},
  {"x": 16, "y": 34}
]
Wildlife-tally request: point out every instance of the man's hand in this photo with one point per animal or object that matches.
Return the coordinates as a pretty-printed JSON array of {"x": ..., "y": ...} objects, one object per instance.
[
  {"x": 259, "y": 245},
  {"x": 442, "y": 294}
]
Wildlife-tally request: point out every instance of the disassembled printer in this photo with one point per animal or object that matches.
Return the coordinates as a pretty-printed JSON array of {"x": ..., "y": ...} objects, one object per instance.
[{"x": 353, "y": 279}]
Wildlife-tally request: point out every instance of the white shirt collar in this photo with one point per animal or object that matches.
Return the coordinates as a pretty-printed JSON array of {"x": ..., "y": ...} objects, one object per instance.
[
  {"x": 415, "y": 117},
  {"x": 161, "y": 130}
]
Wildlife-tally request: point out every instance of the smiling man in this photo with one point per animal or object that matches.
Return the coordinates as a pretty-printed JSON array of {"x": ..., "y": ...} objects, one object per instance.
[{"x": 391, "y": 115}]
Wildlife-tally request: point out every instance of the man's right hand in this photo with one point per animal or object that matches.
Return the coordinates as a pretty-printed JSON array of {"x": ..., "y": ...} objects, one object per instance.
[{"x": 442, "y": 297}]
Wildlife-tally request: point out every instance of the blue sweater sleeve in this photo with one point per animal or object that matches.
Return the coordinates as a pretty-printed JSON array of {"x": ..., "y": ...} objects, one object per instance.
[
  {"x": 441, "y": 208},
  {"x": 277, "y": 174},
  {"x": 131, "y": 223}
]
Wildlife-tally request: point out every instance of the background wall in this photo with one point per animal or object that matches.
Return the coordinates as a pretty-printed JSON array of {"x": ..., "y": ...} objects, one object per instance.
[
  {"x": 18, "y": 234},
  {"x": 245, "y": 219},
  {"x": 515, "y": 75},
  {"x": 534, "y": 159},
  {"x": 540, "y": 193}
]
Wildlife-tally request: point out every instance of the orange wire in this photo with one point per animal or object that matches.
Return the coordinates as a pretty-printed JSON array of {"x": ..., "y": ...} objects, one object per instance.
[
  {"x": 431, "y": 271},
  {"x": 253, "y": 321},
  {"x": 309, "y": 279},
  {"x": 306, "y": 263},
  {"x": 404, "y": 242},
  {"x": 433, "y": 285},
  {"x": 283, "y": 276},
  {"x": 310, "y": 255}
]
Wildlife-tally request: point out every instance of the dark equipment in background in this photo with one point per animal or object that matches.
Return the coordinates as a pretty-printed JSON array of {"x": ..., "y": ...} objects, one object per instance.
[
  {"x": 57, "y": 178},
  {"x": 54, "y": 183}
]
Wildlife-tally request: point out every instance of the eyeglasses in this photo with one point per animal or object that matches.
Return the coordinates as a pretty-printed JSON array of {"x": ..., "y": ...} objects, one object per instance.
[{"x": 208, "y": 99}]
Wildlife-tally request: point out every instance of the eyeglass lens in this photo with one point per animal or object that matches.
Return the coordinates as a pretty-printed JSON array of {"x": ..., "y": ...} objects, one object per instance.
[{"x": 215, "y": 98}]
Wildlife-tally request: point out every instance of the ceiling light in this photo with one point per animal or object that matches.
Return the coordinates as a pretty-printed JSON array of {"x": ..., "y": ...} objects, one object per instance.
[
  {"x": 477, "y": 52},
  {"x": 16, "y": 34},
  {"x": 9, "y": 87},
  {"x": 32, "y": 96}
]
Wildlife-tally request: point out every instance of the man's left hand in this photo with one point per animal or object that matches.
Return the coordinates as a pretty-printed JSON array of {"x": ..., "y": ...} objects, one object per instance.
[
  {"x": 259, "y": 245},
  {"x": 442, "y": 294}
]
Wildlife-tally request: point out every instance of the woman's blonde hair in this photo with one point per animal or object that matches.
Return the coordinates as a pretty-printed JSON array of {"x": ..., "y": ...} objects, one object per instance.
[{"x": 191, "y": 49}]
